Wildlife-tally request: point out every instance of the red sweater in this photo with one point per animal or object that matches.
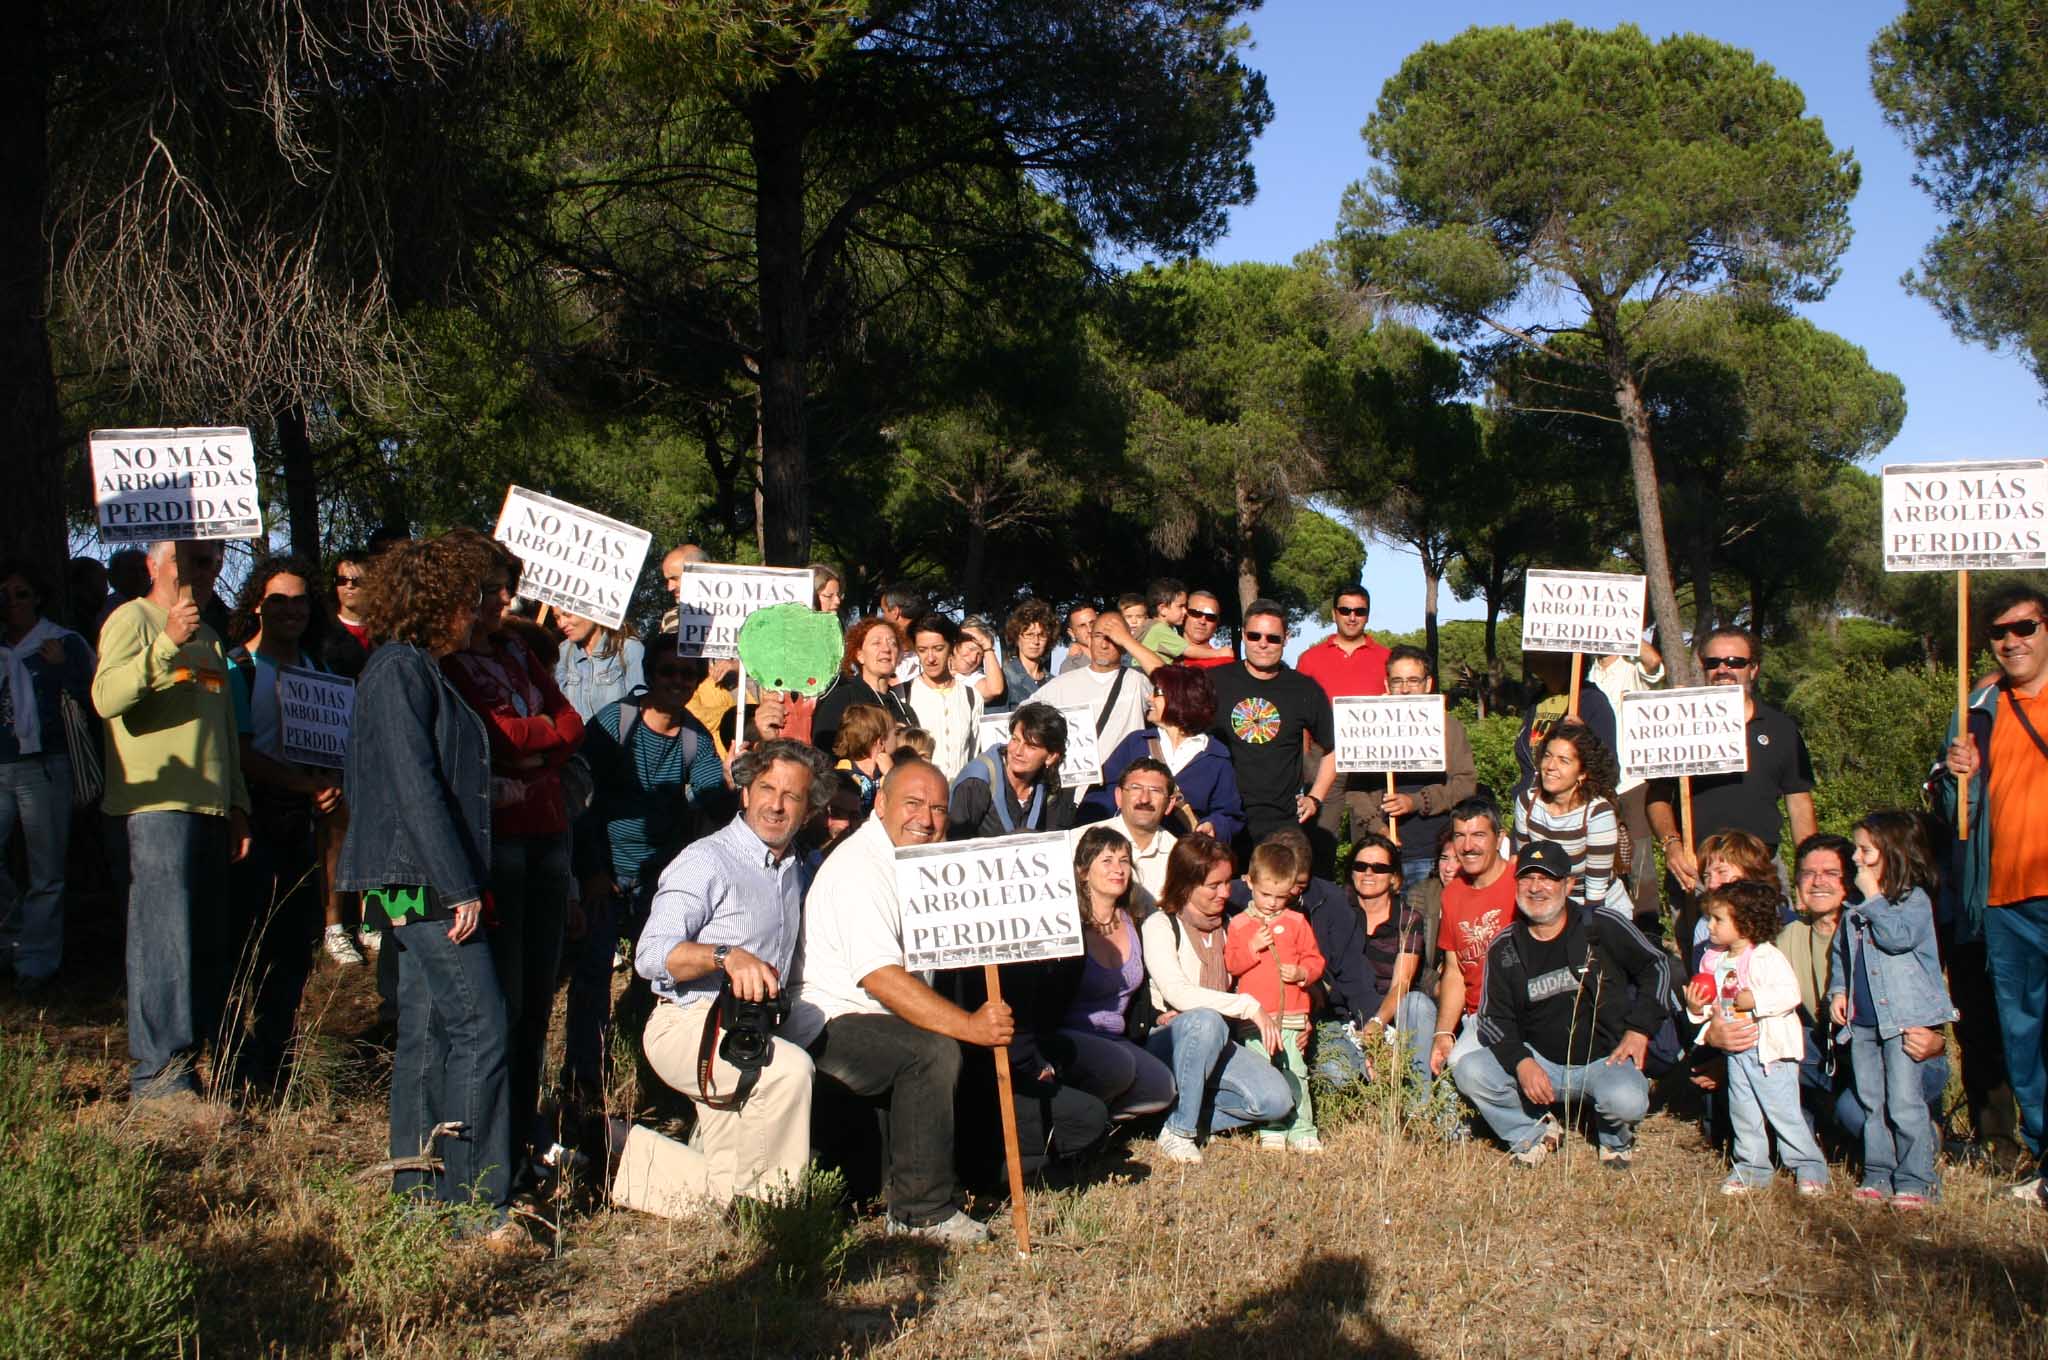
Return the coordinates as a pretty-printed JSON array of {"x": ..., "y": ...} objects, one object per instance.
[
  {"x": 527, "y": 716},
  {"x": 1258, "y": 975}
]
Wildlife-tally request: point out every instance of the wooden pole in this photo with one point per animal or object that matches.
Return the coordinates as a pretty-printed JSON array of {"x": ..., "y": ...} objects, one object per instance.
[
  {"x": 1685, "y": 811},
  {"x": 1578, "y": 663},
  {"x": 1963, "y": 696},
  {"x": 739, "y": 727},
  {"x": 1393, "y": 822},
  {"x": 541, "y": 617},
  {"x": 1020, "y": 1210}
]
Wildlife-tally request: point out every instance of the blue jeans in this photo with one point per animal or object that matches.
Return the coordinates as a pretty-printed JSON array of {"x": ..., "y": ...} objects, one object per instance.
[
  {"x": 1761, "y": 1103},
  {"x": 2016, "y": 947},
  {"x": 1413, "y": 871},
  {"x": 1620, "y": 1096},
  {"x": 1898, "y": 1137},
  {"x": 449, "y": 1067},
  {"x": 530, "y": 886},
  {"x": 1219, "y": 1084},
  {"x": 36, "y": 792},
  {"x": 181, "y": 958}
]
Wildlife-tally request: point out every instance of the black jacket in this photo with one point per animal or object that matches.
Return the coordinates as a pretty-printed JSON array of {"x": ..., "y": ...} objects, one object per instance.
[{"x": 1618, "y": 983}]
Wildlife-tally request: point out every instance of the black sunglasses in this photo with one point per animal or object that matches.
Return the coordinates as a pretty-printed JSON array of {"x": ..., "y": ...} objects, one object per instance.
[
  {"x": 1725, "y": 663},
  {"x": 341, "y": 580},
  {"x": 2017, "y": 628},
  {"x": 1250, "y": 636},
  {"x": 1209, "y": 614},
  {"x": 1368, "y": 866},
  {"x": 1351, "y": 611}
]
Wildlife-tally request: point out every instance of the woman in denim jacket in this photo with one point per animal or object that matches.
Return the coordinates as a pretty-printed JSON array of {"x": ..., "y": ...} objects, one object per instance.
[
  {"x": 418, "y": 776},
  {"x": 598, "y": 665},
  {"x": 1887, "y": 978}
]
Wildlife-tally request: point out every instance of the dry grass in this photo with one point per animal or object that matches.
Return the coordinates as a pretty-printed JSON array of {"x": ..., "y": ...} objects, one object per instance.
[{"x": 1383, "y": 1247}]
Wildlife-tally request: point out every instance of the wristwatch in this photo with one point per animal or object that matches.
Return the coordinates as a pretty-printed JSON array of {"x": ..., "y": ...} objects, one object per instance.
[{"x": 718, "y": 956}]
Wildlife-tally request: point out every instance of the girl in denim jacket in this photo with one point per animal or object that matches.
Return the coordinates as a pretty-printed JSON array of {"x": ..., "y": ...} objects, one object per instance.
[{"x": 1887, "y": 978}]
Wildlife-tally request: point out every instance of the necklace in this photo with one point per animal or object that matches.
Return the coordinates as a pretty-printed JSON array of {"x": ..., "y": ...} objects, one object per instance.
[{"x": 1101, "y": 926}]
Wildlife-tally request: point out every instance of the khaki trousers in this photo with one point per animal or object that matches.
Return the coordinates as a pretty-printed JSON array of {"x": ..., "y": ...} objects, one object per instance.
[{"x": 754, "y": 1150}]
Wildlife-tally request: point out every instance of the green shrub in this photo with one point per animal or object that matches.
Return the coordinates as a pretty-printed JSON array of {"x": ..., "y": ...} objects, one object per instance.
[
  {"x": 1390, "y": 1095},
  {"x": 76, "y": 1276},
  {"x": 1493, "y": 753},
  {"x": 802, "y": 1229},
  {"x": 1874, "y": 733}
]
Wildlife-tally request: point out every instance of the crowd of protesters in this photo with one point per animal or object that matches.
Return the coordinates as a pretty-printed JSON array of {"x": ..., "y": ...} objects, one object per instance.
[{"x": 533, "y": 802}]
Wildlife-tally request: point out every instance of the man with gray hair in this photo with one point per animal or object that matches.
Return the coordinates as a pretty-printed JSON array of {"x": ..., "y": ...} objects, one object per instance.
[
  {"x": 719, "y": 942},
  {"x": 174, "y": 790}
]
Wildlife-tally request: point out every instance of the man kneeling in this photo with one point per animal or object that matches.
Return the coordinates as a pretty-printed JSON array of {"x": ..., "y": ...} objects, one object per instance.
[
  {"x": 726, "y": 918},
  {"x": 1571, "y": 1000}
]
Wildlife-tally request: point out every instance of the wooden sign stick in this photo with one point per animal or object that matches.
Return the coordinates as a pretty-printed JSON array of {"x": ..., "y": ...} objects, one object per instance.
[
  {"x": 1572, "y": 708},
  {"x": 1393, "y": 822},
  {"x": 1020, "y": 1211},
  {"x": 1963, "y": 696},
  {"x": 1685, "y": 811},
  {"x": 541, "y": 618}
]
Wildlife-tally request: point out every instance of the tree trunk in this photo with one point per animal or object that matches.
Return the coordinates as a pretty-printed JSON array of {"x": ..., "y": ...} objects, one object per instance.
[
  {"x": 1699, "y": 549},
  {"x": 301, "y": 481},
  {"x": 777, "y": 124},
  {"x": 32, "y": 518},
  {"x": 976, "y": 563},
  {"x": 1432, "y": 576},
  {"x": 1628, "y": 402},
  {"x": 1249, "y": 508}
]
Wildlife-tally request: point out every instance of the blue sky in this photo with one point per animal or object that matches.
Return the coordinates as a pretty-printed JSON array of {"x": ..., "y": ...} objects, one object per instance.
[{"x": 1325, "y": 61}]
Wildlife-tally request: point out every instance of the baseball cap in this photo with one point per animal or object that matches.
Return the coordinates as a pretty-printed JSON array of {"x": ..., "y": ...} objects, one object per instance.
[{"x": 1543, "y": 857}]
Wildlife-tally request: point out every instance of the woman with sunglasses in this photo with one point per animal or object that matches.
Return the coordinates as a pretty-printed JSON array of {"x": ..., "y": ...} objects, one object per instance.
[
  {"x": 40, "y": 664},
  {"x": 1381, "y": 939}
]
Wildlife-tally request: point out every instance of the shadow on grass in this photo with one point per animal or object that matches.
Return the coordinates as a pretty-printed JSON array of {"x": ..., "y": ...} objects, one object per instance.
[
  {"x": 753, "y": 1313},
  {"x": 276, "y": 1292},
  {"x": 1323, "y": 1309}
]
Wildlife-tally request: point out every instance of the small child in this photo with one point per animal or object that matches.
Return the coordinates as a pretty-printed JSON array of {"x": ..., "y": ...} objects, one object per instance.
[
  {"x": 1272, "y": 956},
  {"x": 912, "y": 743},
  {"x": 1887, "y": 979},
  {"x": 1743, "y": 966}
]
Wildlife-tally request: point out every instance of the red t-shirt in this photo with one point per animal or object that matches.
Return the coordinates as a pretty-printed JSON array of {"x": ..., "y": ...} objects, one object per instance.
[
  {"x": 359, "y": 631},
  {"x": 1205, "y": 662},
  {"x": 1364, "y": 671},
  {"x": 1472, "y": 917}
]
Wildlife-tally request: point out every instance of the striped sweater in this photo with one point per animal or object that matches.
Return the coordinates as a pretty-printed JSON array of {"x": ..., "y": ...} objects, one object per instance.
[{"x": 1590, "y": 834}]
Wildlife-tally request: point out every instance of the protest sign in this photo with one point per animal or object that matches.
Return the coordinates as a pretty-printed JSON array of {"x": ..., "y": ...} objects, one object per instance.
[
  {"x": 1006, "y": 899},
  {"x": 313, "y": 711},
  {"x": 716, "y": 598},
  {"x": 1668, "y": 733},
  {"x": 1081, "y": 766},
  {"x": 151, "y": 485},
  {"x": 1595, "y": 612},
  {"x": 572, "y": 558},
  {"x": 1398, "y": 733},
  {"x": 1965, "y": 516},
  {"x": 994, "y": 729}
]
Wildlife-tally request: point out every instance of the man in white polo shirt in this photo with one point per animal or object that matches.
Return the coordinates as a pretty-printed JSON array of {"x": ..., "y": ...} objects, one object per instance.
[{"x": 1143, "y": 795}]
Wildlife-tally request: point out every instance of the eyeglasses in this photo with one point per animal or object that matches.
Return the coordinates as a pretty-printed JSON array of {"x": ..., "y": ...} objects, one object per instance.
[
  {"x": 1403, "y": 684},
  {"x": 1726, "y": 663},
  {"x": 1820, "y": 875},
  {"x": 1210, "y": 614},
  {"x": 284, "y": 601},
  {"x": 1351, "y": 611},
  {"x": 1367, "y": 866},
  {"x": 2017, "y": 628},
  {"x": 1250, "y": 636},
  {"x": 350, "y": 581}
]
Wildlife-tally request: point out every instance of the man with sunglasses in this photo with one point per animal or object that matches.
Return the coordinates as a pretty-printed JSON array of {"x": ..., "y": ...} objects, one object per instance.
[
  {"x": 1264, "y": 709},
  {"x": 2004, "y": 756},
  {"x": 1779, "y": 770},
  {"x": 1349, "y": 662},
  {"x": 1205, "y": 616}
]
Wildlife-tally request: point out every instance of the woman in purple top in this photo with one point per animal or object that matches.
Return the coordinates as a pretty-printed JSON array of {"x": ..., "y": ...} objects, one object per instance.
[{"x": 1102, "y": 1059}]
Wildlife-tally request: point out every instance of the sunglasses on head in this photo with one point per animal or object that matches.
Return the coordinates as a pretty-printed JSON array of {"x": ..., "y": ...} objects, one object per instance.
[
  {"x": 1250, "y": 636},
  {"x": 1725, "y": 663},
  {"x": 1210, "y": 614},
  {"x": 1352, "y": 611},
  {"x": 2017, "y": 628}
]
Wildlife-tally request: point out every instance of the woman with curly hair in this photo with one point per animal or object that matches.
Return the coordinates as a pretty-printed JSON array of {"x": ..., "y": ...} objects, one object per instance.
[
  {"x": 1572, "y": 803},
  {"x": 418, "y": 774},
  {"x": 867, "y": 675},
  {"x": 1028, "y": 636}
]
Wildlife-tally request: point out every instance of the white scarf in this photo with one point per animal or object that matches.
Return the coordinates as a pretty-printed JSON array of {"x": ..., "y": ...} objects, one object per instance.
[
  {"x": 1177, "y": 757},
  {"x": 28, "y": 725}
]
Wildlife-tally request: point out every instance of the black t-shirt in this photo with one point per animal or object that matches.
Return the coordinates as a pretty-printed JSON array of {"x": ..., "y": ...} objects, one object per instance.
[
  {"x": 1552, "y": 1019},
  {"x": 1262, "y": 722},
  {"x": 1778, "y": 765}
]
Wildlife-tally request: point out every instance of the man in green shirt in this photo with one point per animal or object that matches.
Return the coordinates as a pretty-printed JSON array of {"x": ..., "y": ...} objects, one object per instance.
[{"x": 174, "y": 792}]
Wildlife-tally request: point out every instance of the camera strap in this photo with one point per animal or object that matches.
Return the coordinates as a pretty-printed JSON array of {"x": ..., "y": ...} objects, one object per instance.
[{"x": 707, "y": 1050}]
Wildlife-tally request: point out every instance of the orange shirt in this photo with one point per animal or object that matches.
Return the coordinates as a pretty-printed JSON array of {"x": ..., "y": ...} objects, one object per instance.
[
  {"x": 2019, "y": 803},
  {"x": 1257, "y": 974}
]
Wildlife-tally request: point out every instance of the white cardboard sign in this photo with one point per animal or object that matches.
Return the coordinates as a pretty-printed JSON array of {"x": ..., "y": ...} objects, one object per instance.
[
  {"x": 1402, "y": 733},
  {"x": 1598, "y": 612},
  {"x": 1006, "y": 899},
  {"x": 1670, "y": 732},
  {"x": 1081, "y": 766},
  {"x": 1966, "y": 516},
  {"x": 994, "y": 729},
  {"x": 151, "y": 485},
  {"x": 572, "y": 558},
  {"x": 313, "y": 712},
  {"x": 716, "y": 598}
]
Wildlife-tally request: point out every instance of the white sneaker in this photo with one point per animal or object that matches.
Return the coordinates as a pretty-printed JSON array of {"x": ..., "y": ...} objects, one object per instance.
[
  {"x": 1178, "y": 1147},
  {"x": 341, "y": 948},
  {"x": 957, "y": 1231},
  {"x": 370, "y": 941}
]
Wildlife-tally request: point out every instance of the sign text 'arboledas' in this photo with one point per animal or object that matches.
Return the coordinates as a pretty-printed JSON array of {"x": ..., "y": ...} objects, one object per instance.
[
  {"x": 1670, "y": 732},
  {"x": 572, "y": 558},
  {"x": 313, "y": 711},
  {"x": 1966, "y": 516},
  {"x": 151, "y": 485},
  {"x": 1400, "y": 733},
  {"x": 1583, "y": 611},
  {"x": 1008, "y": 899},
  {"x": 1081, "y": 766},
  {"x": 716, "y": 598}
]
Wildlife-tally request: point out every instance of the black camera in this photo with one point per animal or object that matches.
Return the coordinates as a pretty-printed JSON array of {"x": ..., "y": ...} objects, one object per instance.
[{"x": 749, "y": 1026}]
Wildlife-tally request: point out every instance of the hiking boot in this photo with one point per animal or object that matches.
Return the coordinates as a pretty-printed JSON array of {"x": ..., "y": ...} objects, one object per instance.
[
  {"x": 1910, "y": 1202},
  {"x": 956, "y": 1231},
  {"x": 1178, "y": 1147},
  {"x": 1617, "y": 1159},
  {"x": 1735, "y": 1185},
  {"x": 1812, "y": 1189},
  {"x": 1272, "y": 1142},
  {"x": 341, "y": 947}
]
